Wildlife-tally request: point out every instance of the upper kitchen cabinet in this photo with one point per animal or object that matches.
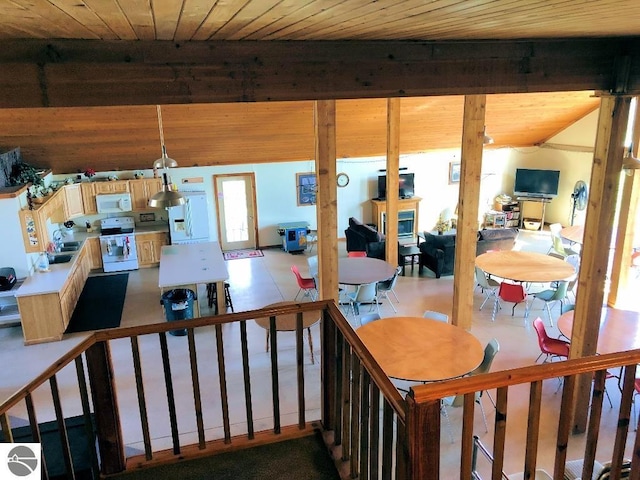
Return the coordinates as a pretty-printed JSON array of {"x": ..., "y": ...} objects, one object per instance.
[
  {"x": 142, "y": 190},
  {"x": 34, "y": 222},
  {"x": 118, "y": 186},
  {"x": 88, "y": 198},
  {"x": 73, "y": 202}
]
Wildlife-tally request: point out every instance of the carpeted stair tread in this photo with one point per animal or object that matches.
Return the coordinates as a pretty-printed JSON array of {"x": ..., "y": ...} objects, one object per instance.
[{"x": 304, "y": 458}]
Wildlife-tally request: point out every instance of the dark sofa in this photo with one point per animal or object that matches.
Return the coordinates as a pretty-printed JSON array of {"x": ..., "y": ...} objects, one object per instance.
[
  {"x": 359, "y": 235},
  {"x": 438, "y": 252}
]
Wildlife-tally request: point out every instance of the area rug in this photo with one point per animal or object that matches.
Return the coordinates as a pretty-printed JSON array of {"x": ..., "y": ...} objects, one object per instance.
[
  {"x": 235, "y": 254},
  {"x": 100, "y": 304}
]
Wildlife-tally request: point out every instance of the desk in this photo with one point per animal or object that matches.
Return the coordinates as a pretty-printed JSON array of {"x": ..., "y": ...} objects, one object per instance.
[
  {"x": 574, "y": 233},
  {"x": 421, "y": 350},
  {"x": 619, "y": 330},
  {"x": 360, "y": 270},
  {"x": 287, "y": 323},
  {"x": 525, "y": 266},
  {"x": 188, "y": 265}
]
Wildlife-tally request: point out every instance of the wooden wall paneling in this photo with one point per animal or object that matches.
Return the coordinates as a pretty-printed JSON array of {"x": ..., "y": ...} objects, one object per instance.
[
  {"x": 69, "y": 140},
  {"x": 468, "y": 204},
  {"x": 598, "y": 228}
]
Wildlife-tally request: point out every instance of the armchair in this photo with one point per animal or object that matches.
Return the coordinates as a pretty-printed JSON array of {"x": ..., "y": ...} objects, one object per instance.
[
  {"x": 438, "y": 253},
  {"x": 359, "y": 235}
]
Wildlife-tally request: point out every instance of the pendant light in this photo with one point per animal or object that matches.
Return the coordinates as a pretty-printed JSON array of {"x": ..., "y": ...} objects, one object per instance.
[
  {"x": 488, "y": 140},
  {"x": 166, "y": 197}
]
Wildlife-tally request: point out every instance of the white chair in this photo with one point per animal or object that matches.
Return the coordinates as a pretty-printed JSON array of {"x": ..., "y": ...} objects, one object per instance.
[
  {"x": 365, "y": 293},
  {"x": 387, "y": 286},
  {"x": 312, "y": 262},
  {"x": 488, "y": 285},
  {"x": 573, "y": 260},
  {"x": 557, "y": 243},
  {"x": 371, "y": 317},
  {"x": 437, "y": 316}
]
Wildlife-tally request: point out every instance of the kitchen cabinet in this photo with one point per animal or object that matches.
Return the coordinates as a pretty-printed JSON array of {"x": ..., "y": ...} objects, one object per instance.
[
  {"x": 88, "y": 198},
  {"x": 45, "y": 316},
  {"x": 149, "y": 246},
  {"x": 142, "y": 190},
  {"x": 94, "y": 252},
  {"x": 74, "y": 205},
  {"x": 34, "y": 222},
  {"x": 119, "y": 186}
]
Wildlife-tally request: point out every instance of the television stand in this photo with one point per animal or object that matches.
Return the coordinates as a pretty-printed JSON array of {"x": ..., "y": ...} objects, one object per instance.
[{"x": 540, "y": 217}]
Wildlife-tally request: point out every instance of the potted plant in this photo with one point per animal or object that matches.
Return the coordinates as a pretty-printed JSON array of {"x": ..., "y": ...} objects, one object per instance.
[{"x": 22, "y": 174}]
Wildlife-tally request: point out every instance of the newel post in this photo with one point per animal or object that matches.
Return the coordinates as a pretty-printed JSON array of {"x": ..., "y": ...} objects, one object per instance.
[
  {"x": 105, "y": 407},
  {"x": 422, "y": 440}
]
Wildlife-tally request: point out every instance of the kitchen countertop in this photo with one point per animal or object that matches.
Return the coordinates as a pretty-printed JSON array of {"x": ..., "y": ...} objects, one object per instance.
[{"x": 41, "y": 283}]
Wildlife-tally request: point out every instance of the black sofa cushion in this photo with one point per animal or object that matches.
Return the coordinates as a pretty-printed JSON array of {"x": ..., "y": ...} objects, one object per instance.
[
  {"x": 358, "y": 235},
  {"x": 496, "y": 239}
]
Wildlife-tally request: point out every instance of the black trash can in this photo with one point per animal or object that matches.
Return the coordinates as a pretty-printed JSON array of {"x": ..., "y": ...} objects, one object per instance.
[{"x": 178, "y": 305}]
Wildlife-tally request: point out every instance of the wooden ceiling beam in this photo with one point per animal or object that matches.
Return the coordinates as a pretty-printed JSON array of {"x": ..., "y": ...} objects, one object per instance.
[{"x": 65, "y": 73}]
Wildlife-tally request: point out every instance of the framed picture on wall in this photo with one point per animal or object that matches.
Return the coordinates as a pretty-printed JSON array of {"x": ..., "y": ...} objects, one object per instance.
[
  {"x": 306, "y": 186},
  {"x": 454, "y": 172}
]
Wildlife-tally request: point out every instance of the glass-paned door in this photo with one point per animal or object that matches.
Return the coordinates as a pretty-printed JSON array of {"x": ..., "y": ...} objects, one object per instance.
[{"x": 236, "y": 205}]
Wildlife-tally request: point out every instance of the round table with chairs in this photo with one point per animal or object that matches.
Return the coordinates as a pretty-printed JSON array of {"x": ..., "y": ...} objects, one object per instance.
[
  {"x": 527, "y": 267},
  {"x": 573, "y": 233},
  {"x": 421, "y": 350},
  {"x": 287, "y": 323},
  {"x": 619, "y": 329},
  {"x": 361, "y": 270}
]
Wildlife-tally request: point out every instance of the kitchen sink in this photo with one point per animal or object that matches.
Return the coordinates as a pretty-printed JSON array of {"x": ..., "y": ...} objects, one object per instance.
[
  {"x": 60, "y": 259},
  {"x": 69, "y": 249},
  {"x": 70, "y": 244}
]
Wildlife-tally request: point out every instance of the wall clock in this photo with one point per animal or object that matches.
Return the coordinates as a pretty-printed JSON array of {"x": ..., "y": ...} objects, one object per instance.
[{"x": 342, "y": 179}]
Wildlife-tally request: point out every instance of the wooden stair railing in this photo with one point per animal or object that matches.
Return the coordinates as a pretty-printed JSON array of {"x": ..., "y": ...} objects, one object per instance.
[{"x": 371, "y": 430}]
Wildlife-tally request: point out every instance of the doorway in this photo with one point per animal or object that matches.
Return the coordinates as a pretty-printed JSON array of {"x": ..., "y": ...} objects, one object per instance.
[{"x": 235, "y": 206}]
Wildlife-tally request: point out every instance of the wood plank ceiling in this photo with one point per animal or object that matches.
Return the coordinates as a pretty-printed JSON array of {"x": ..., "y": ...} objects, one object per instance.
[
  {"x": 516, "y": 119},
  {"x": 263, "y": 20}
]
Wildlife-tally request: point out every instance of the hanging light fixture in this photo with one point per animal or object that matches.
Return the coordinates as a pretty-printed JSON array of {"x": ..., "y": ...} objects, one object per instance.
[
  {"x": 166, "y": 197},
  {"x": 488, "y": 140}
]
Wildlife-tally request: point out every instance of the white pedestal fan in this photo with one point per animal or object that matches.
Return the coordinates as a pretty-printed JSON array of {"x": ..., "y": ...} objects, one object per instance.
[{"x": 578, "y": 198}]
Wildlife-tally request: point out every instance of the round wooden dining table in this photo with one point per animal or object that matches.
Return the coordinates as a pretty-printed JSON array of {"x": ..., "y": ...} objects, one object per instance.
[
  {"x": 619, "y": 329},
  {"x": 527, "y": 267},
  {"x": 361, "y": 270},
  {"x": 421, "y": 350},
  {"x": 573, "y": 233}
]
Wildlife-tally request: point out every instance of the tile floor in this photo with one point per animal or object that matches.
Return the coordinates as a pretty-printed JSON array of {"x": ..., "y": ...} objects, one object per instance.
[{"x": 257, "y": 282}]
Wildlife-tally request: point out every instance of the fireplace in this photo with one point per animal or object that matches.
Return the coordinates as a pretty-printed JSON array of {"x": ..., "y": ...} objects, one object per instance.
[{"x": 406, "y": 220}]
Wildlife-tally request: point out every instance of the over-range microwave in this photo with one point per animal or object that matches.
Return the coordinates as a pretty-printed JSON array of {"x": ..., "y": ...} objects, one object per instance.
[{"x": 113, "y": 202}]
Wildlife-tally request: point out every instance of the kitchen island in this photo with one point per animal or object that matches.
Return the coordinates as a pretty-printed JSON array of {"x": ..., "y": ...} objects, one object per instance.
[{"x": 189, "y": 265}]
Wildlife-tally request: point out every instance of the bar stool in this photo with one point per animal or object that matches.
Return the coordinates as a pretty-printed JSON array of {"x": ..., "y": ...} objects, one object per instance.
[{"x": 212, "y": 296}]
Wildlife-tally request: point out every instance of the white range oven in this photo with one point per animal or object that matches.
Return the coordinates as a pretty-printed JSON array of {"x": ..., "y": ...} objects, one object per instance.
[{"x": 118, "y": 244}]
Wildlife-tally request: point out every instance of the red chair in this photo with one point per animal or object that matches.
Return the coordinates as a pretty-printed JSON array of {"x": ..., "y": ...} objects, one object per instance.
[
  {"x": 356, "y": 254},
  {"x": 550, "y": 347},
  {"x": 510, "y": 292},
  {"x": 306, "y": 284}
]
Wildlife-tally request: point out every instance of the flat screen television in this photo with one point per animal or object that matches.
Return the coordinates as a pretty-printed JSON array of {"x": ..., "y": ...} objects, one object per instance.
[
  {"x": 536, "y": 183},
  {"x": 405, "y": 186}
]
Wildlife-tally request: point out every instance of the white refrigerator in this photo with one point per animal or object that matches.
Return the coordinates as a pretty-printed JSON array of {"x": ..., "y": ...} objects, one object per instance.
[{"x": 189, "y": 223}]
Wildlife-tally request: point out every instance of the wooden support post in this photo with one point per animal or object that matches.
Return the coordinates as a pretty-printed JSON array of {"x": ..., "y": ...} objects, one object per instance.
[
  {"x": 105, "y": 406},
  {"x": 393, "y": 173},
  {"x": 605, "y": 178},
  {"x": 326, "y": 197},
  {"x": 422, "y": 439},
  {"x": 619, "y": 293},
  {"x": 469, "y": 199}
]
